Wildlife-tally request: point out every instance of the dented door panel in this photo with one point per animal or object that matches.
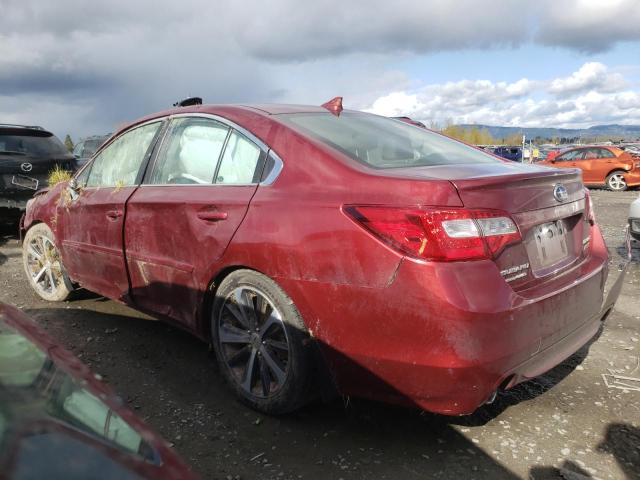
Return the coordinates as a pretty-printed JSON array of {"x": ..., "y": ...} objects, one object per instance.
[
  {"x": 174, "y": 235},
  {"x": 92, "y": 247}
]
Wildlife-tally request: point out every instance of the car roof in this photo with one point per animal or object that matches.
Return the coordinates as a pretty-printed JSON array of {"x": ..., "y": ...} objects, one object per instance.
[
  {"x": 222, "y": 109},
  {"x": 9, "y": 128}
]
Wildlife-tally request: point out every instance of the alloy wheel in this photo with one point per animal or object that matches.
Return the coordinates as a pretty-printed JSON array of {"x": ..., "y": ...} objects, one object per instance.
[
  {"x": 253, "y": 342},
  {"x": 617, "y": 182},
  {"x": 44, "y": 265}
]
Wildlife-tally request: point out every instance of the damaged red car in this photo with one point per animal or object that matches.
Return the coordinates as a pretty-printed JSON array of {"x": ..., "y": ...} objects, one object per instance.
[{"x": 319, "y": 246}]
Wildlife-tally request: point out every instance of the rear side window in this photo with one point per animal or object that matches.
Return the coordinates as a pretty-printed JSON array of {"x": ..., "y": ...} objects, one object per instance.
[
  {"x": 605, "y": 153},
  {"x": 191, "y": 152},
  {"x": 36, "y": 143},
  {"x": 240, "y": 161},
  {"x": 381, "y": 142},
  {"x": 119, "y": 163}
]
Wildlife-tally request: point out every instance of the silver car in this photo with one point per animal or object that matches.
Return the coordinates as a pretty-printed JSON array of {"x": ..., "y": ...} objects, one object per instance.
[{"x": 634, "y": 219}]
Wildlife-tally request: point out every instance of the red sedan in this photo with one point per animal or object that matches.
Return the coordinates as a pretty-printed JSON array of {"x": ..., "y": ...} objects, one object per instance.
[{"x": 313, "y": 245}]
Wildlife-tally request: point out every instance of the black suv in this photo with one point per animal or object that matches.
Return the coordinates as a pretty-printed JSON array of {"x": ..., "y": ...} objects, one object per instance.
[{"x": 27, "y": 156}]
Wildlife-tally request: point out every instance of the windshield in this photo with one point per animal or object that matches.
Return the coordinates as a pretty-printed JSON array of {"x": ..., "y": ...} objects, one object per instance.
[
  {"x": 381, "y": 142},
  {"x": 39, "y": 145}
]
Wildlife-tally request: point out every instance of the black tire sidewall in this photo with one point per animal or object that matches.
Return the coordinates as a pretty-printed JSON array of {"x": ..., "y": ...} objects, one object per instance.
[{"x": 295, "y": 391}]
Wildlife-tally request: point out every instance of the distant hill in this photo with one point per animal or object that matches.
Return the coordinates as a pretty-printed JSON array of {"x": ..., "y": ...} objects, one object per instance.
[{"x": 600, "y": 132}]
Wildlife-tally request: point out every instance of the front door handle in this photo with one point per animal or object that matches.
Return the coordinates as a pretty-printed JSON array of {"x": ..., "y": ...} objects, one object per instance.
[
  {"x": 114, "y": 214},
  {"x": 212, "y": 216}
]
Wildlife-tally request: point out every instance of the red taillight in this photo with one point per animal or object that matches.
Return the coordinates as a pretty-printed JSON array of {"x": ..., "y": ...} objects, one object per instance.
[
  {"x": 447, "y": 234},
  {"x": 591, "y": 214}
]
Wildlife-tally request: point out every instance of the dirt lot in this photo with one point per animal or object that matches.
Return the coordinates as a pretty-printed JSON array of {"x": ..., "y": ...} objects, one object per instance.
[{"x": 567, "y": 421}]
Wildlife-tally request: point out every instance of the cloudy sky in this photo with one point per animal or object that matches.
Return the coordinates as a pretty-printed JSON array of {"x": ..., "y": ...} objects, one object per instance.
[{"x": 84, "y": 67}]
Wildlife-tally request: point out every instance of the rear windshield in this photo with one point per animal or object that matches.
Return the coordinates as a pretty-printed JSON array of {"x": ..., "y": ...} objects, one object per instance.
[
  {"x": 31, "y": 144},
  {"x": 381, "y": 142}
]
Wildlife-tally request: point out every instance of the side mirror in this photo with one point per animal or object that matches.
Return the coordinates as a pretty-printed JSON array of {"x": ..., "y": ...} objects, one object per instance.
[
  {"x": 76, "y": 156},
  {"x": 73, "y": 188}
]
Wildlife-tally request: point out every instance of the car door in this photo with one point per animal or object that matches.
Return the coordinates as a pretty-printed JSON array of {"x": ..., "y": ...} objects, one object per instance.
[
  {"x": 605, "y": 162},
  {"x": 92, "y": 222},
  {"x": 183, "y": 216},
  {"x": 569, "y": 159},
  {"x": 588, "y": 163}
]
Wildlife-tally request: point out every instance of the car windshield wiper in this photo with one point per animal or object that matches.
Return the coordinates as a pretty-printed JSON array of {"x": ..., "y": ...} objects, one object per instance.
[{"x": 12, "y": 152}]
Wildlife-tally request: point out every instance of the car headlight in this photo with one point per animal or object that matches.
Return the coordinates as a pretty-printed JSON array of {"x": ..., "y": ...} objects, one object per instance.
[{"x": 635, "y": 225}]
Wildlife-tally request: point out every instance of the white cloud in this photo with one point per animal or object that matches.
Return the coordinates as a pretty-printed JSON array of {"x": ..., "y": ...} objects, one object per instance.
[
  {"x": 589, "y": 96},
  {"x": 591, "y": 76},
  {"x": 122, "y": 59}
]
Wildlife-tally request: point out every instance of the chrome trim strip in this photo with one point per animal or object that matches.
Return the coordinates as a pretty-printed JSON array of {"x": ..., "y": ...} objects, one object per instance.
[
  {"x": 275, "y": 171},
  {"x": 278, "y": 163},
  {"x": 228, "y": 123}
]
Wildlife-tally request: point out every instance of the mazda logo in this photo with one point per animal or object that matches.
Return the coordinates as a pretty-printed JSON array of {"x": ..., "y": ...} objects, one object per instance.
[
  {"x": 560, "y": 192},
  {"x": 26, "y": 167}
]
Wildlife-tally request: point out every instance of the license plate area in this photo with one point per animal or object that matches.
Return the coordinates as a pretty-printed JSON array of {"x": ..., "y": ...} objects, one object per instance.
[
  {"x": 25, "y": 182},
  {"x": 551, "y": 246}
]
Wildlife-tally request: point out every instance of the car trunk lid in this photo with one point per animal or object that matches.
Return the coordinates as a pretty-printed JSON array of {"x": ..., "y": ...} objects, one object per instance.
[{"x": 547, "y": 205}]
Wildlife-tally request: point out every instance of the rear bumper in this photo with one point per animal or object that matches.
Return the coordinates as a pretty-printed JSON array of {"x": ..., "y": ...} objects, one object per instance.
[
  {"x": 632, "y": 178},
  {"x": 18, "y": 202},
  {"x": 445, "y": 337}
]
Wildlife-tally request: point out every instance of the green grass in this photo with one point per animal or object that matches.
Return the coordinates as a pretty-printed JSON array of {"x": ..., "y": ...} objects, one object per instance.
[{"x": 58, "y": 175}]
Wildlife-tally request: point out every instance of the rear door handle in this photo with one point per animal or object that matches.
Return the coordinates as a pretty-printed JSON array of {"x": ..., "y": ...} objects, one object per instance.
[
  {"x": 212, "y": 216},
  {"x": 114, "y": 214}
]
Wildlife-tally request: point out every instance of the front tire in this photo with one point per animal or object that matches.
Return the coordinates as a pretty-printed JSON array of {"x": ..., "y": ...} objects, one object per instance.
[
  {"x": 261, "y": 344},
  {"x": 43, "y": 265},
  {"x": 616, "y": 182}
]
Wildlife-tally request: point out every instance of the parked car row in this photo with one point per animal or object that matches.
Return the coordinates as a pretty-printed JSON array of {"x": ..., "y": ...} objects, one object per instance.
[
  {"x": 321, "y": 249},
  {"x": 28, "y": 155}
]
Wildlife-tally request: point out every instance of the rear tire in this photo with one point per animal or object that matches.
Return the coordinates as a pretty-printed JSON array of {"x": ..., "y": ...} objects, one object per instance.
[
  {"x": 616, "y": 182},
  {"x": 261, "y": 343},
  {"x": 43, "y": 265}
]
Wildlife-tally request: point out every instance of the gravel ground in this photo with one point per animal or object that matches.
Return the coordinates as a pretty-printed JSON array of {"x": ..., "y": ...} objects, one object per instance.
[{"x": 566, "y": 424}]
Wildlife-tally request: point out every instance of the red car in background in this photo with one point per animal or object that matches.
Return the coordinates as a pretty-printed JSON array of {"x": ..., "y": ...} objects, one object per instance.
[
  {"x": 59, "y": 422},
  {"x": 602, "y": 166},
  {"x": 311, "y": 243}
]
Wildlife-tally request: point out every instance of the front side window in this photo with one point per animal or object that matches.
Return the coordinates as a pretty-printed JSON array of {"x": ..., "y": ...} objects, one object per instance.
[
  {"x": 191, "y": 152},
  {"x": 381, "y": 142},
  {"x": 571, "y": 155},
  {"x": 119, "y": 163}
]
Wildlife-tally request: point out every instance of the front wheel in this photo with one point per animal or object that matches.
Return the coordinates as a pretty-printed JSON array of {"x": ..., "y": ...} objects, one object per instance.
[
  {"x": 616, "y": 182},
  {"x": 43, "y": 264},
  {"x": 261, "y": 343}
]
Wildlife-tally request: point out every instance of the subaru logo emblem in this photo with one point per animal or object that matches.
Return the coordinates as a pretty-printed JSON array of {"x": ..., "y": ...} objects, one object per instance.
[
  {"x": 26, "y": 167},
  {"x": 560, "y": 192}
]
